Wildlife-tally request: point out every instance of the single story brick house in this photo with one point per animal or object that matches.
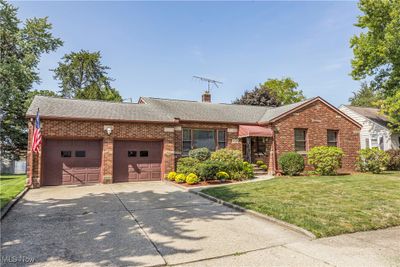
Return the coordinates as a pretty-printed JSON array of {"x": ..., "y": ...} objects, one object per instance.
[{"x": 87, "y": 141}]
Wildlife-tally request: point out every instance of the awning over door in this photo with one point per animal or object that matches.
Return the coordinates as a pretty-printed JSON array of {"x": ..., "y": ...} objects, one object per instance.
[{"x": 249, "y": 130}]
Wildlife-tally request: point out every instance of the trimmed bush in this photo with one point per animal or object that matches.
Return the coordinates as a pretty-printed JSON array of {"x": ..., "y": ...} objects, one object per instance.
[
  {"x": 325, "y": 159},
  {"x": 259, "y": 162},
  {"x": 248, "y": 170},
  {"x": 372, "y": 160},
  {"x": 201, "y": 154},
  {"x": 222, "y": 176},
  {"x": 192, "y": 178},
  {"x": 180, "y": 178},
  {"x": 171, "y": 176},
  {"x": 291, "y": 163},
  {"x": 231, "y": 158},
  {"x": 264, "y": 167},
  {"x": 394, "y": 159},
  {"x": 208, "y": 169},
  {"x": 187, "y": 165}
]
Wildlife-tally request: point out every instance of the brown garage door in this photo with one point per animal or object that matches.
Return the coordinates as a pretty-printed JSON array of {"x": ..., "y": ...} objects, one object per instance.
[
  {"x": 71, "y": 162},
  {"x": 137, "y": 161}
]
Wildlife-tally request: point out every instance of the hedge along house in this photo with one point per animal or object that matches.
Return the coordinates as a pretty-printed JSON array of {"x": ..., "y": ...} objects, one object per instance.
[{"x": 87, "y": 141}]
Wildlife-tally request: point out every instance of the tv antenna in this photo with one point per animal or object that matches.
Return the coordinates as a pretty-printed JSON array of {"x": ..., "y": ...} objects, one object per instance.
[{"x": 209, "y": 82}]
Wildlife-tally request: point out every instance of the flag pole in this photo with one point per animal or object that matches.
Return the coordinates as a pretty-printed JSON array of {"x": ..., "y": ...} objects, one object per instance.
[{"x": 33, "y": 122}]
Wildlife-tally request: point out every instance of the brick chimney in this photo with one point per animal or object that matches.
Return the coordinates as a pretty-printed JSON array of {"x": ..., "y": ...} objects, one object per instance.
[{"x": 206, "y": 97}]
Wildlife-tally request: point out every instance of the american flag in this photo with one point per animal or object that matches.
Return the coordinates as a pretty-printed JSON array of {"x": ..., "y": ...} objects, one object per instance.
[{"x": 37, "y": 137}]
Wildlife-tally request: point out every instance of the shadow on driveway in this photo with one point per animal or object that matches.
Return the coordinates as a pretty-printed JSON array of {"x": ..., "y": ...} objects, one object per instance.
[{"x": 143, "y": 224}]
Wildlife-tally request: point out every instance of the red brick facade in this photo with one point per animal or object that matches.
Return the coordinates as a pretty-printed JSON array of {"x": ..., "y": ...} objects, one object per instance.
[{"x": 316, "y": 117}]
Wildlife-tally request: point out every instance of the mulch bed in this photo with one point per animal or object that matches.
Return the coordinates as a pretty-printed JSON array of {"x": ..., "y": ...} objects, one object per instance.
[{"x": 209, "y": 182}]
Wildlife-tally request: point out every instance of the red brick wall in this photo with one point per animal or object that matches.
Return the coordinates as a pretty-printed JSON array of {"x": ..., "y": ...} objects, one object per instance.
[
  {"x": 317, "y": 118},
  {"x": 95, "y": 130},
  {"x": 172, "y": 140}
]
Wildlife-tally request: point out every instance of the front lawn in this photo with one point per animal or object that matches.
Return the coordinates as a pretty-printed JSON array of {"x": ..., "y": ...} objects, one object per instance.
[
  {"x": 326, "y": 206},
  {"x": 10, "y": 186}
]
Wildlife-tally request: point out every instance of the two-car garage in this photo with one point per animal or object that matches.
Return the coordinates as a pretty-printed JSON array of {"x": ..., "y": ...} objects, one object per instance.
[{"x": 68, "y": 162}]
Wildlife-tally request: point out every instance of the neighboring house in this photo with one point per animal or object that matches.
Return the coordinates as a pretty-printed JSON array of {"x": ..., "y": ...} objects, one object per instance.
[
  {"x": 8, "y": 166},
  {"x": 88, "y": 141},
  {"x": 374, "y": 131}
]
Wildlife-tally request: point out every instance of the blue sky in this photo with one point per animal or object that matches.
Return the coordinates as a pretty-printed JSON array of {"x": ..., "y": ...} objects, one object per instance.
[{"x": 154, "y": 48}]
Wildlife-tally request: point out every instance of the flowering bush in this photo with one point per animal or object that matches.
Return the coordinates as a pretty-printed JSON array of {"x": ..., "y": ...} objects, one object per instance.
[
  {"x": 192, "y": 178},
  {"x": 180, "y": 178},
  {"x": 171, "y": 176}
]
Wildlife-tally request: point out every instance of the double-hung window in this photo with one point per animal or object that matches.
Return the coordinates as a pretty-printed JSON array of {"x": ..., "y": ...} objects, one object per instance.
[
  {"x": 196, "y": 138},
  {"x": 332, "y": 137},
  {"x": 300, "y": 140}
]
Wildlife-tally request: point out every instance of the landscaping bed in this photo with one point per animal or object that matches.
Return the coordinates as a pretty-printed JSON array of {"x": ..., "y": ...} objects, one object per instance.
[
  {"x": 324, "y": 205},
  {"x": 11, "y": 185}
]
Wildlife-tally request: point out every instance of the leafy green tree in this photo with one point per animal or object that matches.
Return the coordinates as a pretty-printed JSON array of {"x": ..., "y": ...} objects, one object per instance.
[
  {"x": 20, "y": 49},
  {"x": 284, "y": 90},
  {"x": 82, "y": 75},
  {"x": 274, "y": 92},
  {"x": 377, "y": 54},
  {"x": 365, "y": 97},
  {"x": 259, "y": 96}
]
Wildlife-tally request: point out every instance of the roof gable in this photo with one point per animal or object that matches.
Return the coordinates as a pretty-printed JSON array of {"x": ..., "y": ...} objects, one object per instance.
[{"x": 371, "y": 114}]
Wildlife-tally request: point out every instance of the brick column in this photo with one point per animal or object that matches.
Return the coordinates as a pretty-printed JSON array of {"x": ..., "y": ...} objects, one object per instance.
[{"x": 108, "y": 149}]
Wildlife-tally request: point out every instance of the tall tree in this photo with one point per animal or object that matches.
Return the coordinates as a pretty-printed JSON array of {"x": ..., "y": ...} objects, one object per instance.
[
  {"x": 259, "y": 96},
  {"x": 20, "y": 49},
  {"x": 364, "y": 97},
  {"x": 377, "y": 54},
  {"x": 82, "y": 75},
  {"x": 284, "y": 90},
  {"x": 273, "y": 92}
]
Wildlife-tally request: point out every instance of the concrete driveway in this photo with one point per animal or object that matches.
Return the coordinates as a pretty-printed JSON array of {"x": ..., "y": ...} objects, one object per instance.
[{"x": 151, "y": 224}]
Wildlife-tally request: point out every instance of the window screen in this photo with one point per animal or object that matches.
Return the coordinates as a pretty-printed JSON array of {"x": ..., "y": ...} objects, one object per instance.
[
  {"x": 80, "y": 153},
  {"x": 332, "y": 138},
  {"x": 300, "y": 136},
  {"x": 221, "y": 139}
]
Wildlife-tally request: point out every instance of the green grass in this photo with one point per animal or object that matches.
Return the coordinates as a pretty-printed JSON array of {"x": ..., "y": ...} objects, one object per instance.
[
  {"x": 326, "y": 206},
  {"x": 10, "y": 186}
]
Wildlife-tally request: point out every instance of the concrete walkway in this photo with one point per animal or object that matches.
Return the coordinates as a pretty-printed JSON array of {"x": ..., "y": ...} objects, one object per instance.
[{"x": 152, "y": 224}]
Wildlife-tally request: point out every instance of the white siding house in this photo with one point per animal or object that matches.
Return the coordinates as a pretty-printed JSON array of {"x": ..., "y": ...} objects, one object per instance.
[{"x": 374, "y": 132}]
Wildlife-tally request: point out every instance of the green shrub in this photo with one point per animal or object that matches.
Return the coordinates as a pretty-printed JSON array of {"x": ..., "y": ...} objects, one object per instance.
[
  {"x": 372, "y": 160},
  {"x": 222, "y": 176},
  {"x": 264, "y": 167},
  {"x": 325, "y": 159},
  {"x": 231, "y": 158},
  {"x": 192, "y": 178},
  {"x": 201, "y": 154},
  {"x": 248, "y": 170},
  {"x": 259, "y": 162},
  {"x": 180, "y": 178},
  {"x": 171, "y": 176},
  {"x": 209, "y": 169},
  {"x": 187, "y": 165},
  {"x": 291, "y": 163},
  {"x": 394, "y": 159}
]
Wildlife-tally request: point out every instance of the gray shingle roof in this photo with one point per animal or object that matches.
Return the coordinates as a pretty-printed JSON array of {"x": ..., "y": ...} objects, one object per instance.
[
  {"x": 156, "y": 110},
  {"x": 91, "y": 109},
  {"x": 278, "y": 111},
  {"x": 200, "y": 111},
  {"x": 371, "y": 113}
]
